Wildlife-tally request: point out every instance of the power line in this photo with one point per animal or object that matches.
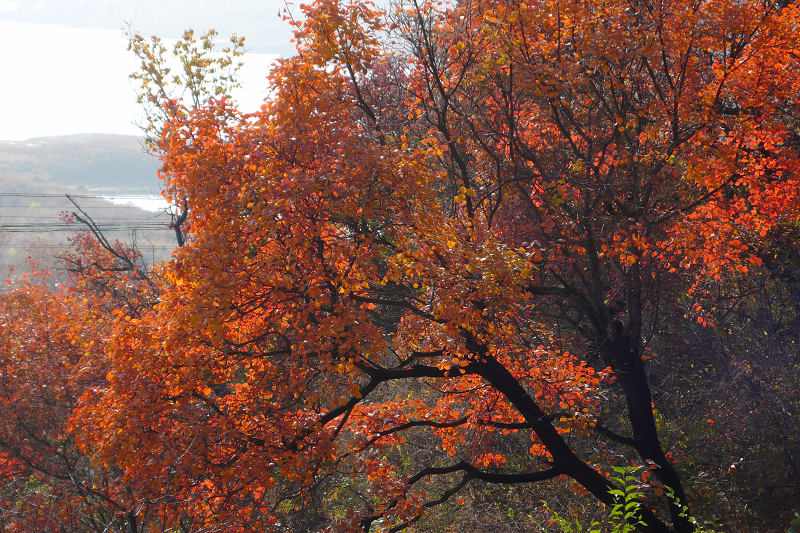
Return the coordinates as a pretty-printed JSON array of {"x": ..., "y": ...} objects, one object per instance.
[
  {"x": 60, "y": 227},
  {"x": 67, "y": 246},
  {"x": 69, "y": 206},
  {"x": 81, "y": 196},
  {"x": 44, "y": 218}
]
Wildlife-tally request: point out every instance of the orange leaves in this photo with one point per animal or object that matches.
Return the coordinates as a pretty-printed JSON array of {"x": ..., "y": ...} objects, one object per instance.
[
  {"x": 407, "y": 221},
  {"x": 51, "y": 343},
  {"x": 340, "y": 32}
]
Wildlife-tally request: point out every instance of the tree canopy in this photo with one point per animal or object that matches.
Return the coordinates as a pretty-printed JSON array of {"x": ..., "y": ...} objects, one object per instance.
[{"x": 455, "y": 247}]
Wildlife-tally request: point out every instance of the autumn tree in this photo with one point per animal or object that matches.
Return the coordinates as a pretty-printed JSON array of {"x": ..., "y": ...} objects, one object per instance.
[
  {"x": 728, "y": 392},
  {"x": 52, "y": 337},
  {"x": 38, "y": 397},
  {"x": 47, "y": 483},
  {"x": 440, "y": 254}
]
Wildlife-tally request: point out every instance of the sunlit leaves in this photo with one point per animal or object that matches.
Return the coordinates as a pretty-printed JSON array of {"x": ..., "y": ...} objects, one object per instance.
[{"x": 415, "y": 259}]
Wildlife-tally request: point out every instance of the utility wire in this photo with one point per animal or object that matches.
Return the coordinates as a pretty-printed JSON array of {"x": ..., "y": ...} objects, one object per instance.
[
  {"x": 66, "y": 246},
  {"x": 9, "y": 218},
  {"x": 42, "y": 206},
  {"x": 54, "y": 227},
  {"x": 82, "y": 196}
]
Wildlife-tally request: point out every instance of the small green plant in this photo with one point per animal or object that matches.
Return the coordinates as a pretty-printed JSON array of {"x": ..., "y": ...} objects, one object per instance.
[
  {"x": 570, "y": 526},
  {"x": 625, "y": 515},
  {"x": 794, "y": 525}
]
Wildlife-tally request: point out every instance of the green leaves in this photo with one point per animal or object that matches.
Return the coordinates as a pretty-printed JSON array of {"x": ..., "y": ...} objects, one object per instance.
[{"x": 625, "y": 513}]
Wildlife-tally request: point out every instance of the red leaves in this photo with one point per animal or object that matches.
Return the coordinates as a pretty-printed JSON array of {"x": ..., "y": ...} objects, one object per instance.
[
  {"x": 401, "y": 216},
  {"x": 372, "y": 218}
]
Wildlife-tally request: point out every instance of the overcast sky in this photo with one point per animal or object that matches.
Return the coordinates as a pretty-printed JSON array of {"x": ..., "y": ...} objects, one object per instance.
[{"x": 65, "y": 66}]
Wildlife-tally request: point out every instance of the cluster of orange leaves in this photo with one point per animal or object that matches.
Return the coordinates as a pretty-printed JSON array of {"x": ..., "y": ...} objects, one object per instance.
[{"x": 333, "y": 239}]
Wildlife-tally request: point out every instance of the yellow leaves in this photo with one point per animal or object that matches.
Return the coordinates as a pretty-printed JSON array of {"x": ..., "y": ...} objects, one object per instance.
[
  {"x": 351, "y": 211},
  {"x": 341, "y": 368},
  {"x": 627, "y": 259}
]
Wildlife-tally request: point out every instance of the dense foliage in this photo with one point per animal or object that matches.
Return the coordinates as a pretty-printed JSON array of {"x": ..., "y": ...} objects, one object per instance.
[{"x": 466, "y": 255}]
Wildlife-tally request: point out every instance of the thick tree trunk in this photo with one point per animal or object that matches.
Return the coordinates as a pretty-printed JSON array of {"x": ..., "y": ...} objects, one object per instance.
[
  {"x": 623, "y": 354},
  {"x": 563, "y": 456}
]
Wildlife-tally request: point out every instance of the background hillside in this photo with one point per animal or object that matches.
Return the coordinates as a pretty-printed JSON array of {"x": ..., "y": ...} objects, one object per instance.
[
  {"x": 110, "y": 176},
  {"x": 91, "y": 160}
]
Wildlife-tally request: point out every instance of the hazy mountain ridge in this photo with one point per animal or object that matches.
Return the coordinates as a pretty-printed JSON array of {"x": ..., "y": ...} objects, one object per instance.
[{"x": 93, "y": 160}]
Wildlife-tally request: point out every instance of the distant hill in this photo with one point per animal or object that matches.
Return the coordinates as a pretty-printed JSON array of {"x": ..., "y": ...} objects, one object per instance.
[
  {"x": 92, "y": 160},
  {"x": 36, "y": 174}
]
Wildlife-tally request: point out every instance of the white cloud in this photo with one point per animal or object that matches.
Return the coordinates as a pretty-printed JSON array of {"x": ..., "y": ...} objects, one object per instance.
[
  {"x": 59, "y": 80},
  {"x": 258, "y": 21},
  {"x": 8, "y": 7}
]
